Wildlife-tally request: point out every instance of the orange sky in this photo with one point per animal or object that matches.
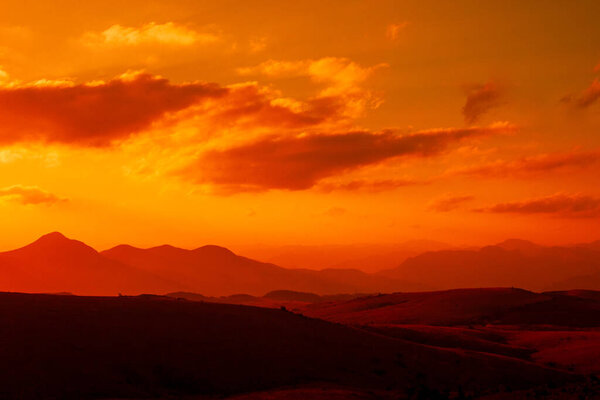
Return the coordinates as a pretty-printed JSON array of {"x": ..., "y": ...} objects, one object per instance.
[{"x": 309, "y": 122}]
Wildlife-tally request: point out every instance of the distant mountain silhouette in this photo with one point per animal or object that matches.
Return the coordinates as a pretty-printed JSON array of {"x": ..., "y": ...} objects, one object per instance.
[
  {"x": 216, "y": 271},
  {"x": 511, "y": 263},
  {"x": 54, "y": 263},
  {"x": 522, "y": 246},
  {"x": 364, "y": 257}
]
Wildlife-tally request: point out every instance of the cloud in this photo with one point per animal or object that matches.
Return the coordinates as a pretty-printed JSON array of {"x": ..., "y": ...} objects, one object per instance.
[
  {"x": 392, "y": 31},
  {"x": 258, "y": 44},
  {"x": 29, "y": 195},
  {"x": 276, "y": 68},
  {"x": 103, "y": 113},
  {"x": 534, "y": 165},
  {"x": 481, "y": 99},
  {"x": 588, "y": 97},
  {"x": 152, "y": 33},
  {"x": 379, "y": 185},
  {"x": 450, "y": 203},
  {"x": 299, "y": 162},
  {"x": 341, "y": 78},
  {"x": 93, "y": 114},
  {"x": 562, "y": 205},
  {"x": 4, "y": 77},
  {"x": 341, "y": 73},
  {"x": 250, "y": 105}
]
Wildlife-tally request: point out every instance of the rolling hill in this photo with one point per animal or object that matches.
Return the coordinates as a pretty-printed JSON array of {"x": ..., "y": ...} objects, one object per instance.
[
  {"x": 155, "y": 347},
  {"x": 461, "y": 307}
]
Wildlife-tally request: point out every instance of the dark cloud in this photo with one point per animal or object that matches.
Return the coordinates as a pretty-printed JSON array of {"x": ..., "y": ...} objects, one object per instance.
[
  {"x": 562, "y": 205},
  {"x": 449, "y": 203},
  {"x": 589, "y": 96},
  {"x": 93, "y": 115},
  {"x": 528, "y": 166},
  {"x": 299, "y": 162},
  {"x": 99, "y": 114},
  {"x": 481, "y": 99},
  {"x": 378, "y": 185}
]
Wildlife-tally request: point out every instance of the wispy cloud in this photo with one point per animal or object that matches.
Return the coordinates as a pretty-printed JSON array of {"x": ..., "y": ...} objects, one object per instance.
[
  {"x": 449, "y": 203},
  {"x": 532, "y": 165},
  {"x": 393, "y": 31},
  {"x": 562, "y": 205},
  {"x": 366, "y": 185},
  {"x": 481, "y": 99},
  {"x": 29, "y": 195},
  {"x": 168, "y": 33}
]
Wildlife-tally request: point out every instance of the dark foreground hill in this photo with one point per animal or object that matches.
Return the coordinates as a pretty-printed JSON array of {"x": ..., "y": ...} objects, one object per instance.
[{"x": 153, "y": 347}]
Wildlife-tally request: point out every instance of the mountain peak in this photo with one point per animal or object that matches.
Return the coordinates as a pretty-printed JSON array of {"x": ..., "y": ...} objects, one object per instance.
[
  {"x": 54, "y": 236},
  {"x": 58, "y": 241},
  {"x": 518, "y": 245},
  {"x": 215, "y": 250}
]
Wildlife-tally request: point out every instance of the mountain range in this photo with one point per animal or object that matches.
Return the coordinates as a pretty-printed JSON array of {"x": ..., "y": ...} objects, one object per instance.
[
  {"x": 517, "y": 263},
  {"x": 54, "y": 263}
]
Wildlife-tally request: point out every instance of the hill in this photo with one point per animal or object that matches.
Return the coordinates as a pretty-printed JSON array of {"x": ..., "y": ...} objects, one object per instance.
[
  {"x": 54, "y": 263},
  {"x": 460, "y": 307},
  {"x": 153, "y": 347}
]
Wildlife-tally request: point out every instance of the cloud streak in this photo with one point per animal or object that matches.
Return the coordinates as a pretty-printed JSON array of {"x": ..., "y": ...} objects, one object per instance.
[
  {"x": 29, "y": 195},
  {"x": 300, "y": 162},
  {"x": 449, "y": 203},
  {"x": 366, "y": 185},
  {"x": 534, "y": 165},
  {"x": 93, "y": 115},
  {"x": 589, "y": 96},
  {"x": 152, "y": 33},
  {"x": 481, "y": 99},
  {"x": 561, "y": 205}
]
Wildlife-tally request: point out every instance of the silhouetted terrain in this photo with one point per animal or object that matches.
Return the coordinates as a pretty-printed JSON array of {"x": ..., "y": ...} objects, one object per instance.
[
  {"x": 232, "y": 326},
  {"x": 213, "y": 270},
  {"x": 461, "y": 307},
  {"x": 151, "y": 347},
  {"x": 515, "y": 263},
  {"x": 56, "y": 264},
  {"x": 275, "y": 299},
  {"x": 365, "y": 257}
]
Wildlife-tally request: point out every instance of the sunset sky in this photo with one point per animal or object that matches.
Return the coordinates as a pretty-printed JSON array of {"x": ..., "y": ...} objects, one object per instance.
[{"x": 299, "y": 122}]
